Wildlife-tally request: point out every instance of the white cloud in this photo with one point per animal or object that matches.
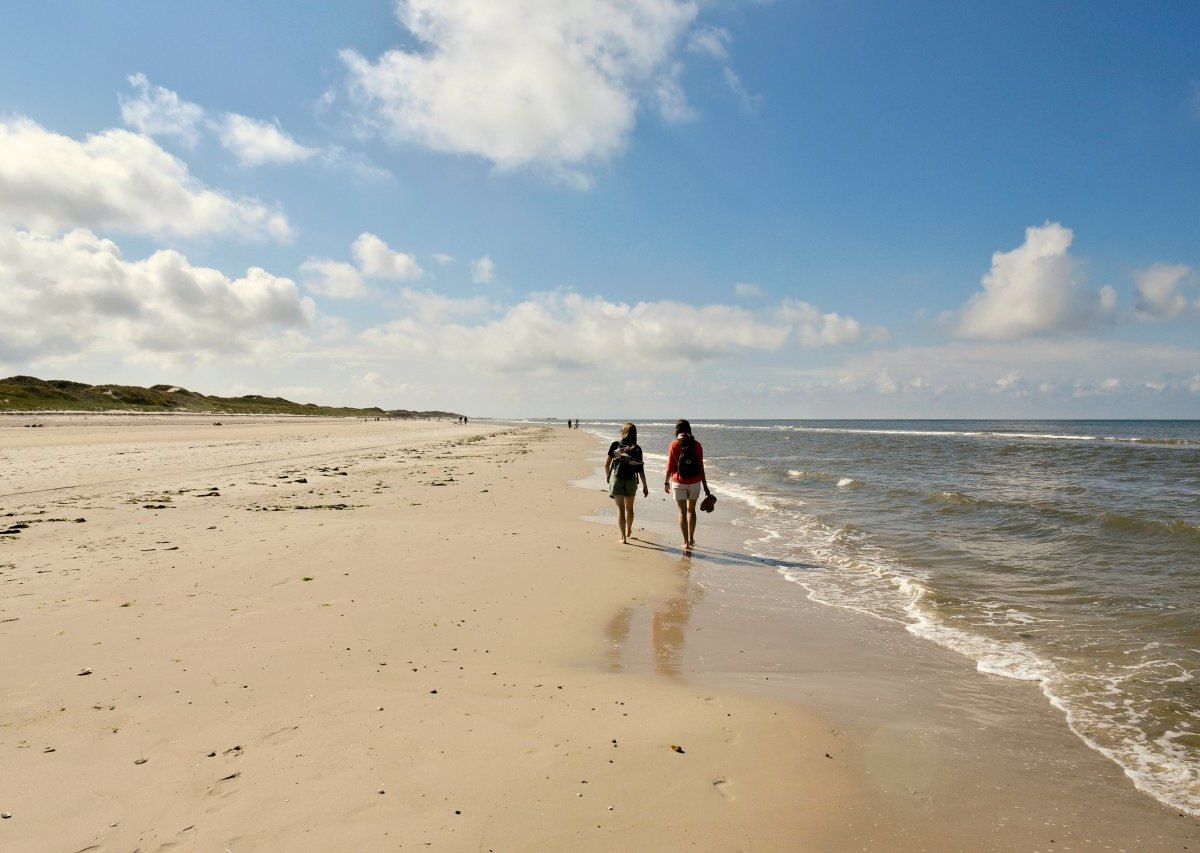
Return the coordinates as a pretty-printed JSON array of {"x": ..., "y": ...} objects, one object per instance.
[
  {"x": 255, "y": 142},
  {"x": 115, "y": 179},
  {"x": 76, "y": 294},
  {"x": 749, "y": 102},
  {"x": 710, "y": 41},
  {"x": 1036, "y": 289},
  {"x": 1100, "y": 388},
  {"x": 554, "y": 331},
  {"x": 434, "y": 308},
  {"x": 668, "y": 94},
  {"x": 375, "y": 258},
  {"x": 428, "y": 326},
  {"x": 358, "y": 165},
  {"x": 1159, "y": 290},
  {"x": 335, "y": 279},
  {"x": 483, "y": 271},
  {"x": 1009, "y": 381},
  {"x": 407, "y": 335},
  {"x": 330, "y": 328},
  {"x": 747, "y": 289},
  {"x": 1058, "y": 368},
  {"x": 443, "y": 258},
  {"x": 553, "y": 84},
  {"x": 814, "y": 329},
  {"x": 376, "y": 383},
  {"x": 160, "y": 112},
  {"x": 714, "y": 42}
]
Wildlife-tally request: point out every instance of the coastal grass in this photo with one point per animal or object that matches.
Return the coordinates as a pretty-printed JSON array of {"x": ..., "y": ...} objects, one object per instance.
[{"x": 28, "y": 393}]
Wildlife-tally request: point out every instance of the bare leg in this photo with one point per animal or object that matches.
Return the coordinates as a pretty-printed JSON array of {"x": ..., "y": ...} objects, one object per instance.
[
  {"x": 620, "y": 501},
  {"x": 683, "y": 524},
  {"x": 629, "y": 516},
  {"x": 691, "y": 523}
]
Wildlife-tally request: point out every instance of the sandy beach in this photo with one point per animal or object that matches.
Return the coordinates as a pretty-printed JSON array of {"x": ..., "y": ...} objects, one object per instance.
[{"x": 293, "y": 635}]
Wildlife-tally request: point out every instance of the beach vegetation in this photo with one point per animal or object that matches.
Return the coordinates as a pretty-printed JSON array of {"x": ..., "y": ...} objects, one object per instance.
[{"x": 28, "y": 393}]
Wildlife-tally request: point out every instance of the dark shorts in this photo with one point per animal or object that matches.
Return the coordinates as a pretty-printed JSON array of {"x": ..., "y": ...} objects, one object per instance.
[{"x": 626, "y": 486}]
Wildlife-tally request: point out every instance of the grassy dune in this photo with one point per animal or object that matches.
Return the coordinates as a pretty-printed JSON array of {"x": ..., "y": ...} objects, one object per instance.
[{"x": 27, "y": 393}]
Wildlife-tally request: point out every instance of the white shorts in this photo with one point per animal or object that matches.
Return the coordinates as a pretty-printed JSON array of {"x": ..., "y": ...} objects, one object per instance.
[{"x": 686, "y": 491}]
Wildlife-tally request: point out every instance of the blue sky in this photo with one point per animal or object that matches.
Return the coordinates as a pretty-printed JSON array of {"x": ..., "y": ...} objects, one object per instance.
[{"x": 621, "y": 208}]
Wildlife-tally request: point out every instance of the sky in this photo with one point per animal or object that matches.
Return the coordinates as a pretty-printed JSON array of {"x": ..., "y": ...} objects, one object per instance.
[{"x": 610, "y": 208}]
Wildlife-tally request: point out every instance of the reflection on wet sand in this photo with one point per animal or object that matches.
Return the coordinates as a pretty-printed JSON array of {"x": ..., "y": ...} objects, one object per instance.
[{"x": 664, "y": 621}]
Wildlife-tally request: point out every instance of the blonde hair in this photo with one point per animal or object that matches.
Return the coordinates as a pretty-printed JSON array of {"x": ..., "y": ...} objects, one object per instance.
[{"x": 628, "y": 433}]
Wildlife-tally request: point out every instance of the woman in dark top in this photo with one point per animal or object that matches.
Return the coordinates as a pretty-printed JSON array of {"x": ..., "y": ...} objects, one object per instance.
[{"x": 623, "y": 468}]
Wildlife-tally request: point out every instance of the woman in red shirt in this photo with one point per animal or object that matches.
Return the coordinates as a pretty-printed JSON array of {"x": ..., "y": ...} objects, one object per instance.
[{"x": 685, "y": 475}]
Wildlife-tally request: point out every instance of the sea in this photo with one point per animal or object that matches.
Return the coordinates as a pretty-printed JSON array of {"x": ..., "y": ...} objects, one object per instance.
[{"x": 1065, "y": 553}]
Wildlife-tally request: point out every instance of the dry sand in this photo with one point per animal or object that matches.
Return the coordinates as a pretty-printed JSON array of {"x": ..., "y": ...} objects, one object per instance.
[{"x": 293, "y": 635}]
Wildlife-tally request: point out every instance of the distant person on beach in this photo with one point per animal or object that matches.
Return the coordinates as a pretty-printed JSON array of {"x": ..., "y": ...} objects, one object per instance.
[
  {"x": 685, "y": 476},
  {"x": 623, "y": 468}
]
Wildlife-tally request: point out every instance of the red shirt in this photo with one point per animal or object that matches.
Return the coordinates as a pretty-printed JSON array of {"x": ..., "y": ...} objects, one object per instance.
[{"x": 673, "y": 453}]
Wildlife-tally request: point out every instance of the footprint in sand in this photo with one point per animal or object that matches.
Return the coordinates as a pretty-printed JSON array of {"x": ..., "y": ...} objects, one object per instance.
[
  {"x": 224, "y": 788},
  {"x": 283, "y": 735},
  {"x": 724, "y": 787}
]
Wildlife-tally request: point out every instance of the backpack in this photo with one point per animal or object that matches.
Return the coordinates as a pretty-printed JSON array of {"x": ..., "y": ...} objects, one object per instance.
[
  {"x": 688, "y": 467},
  {"x": 623, "y": 461}
]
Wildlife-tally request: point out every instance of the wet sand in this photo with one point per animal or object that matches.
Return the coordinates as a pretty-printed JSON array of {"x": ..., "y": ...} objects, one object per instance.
[{"x": 282, "y": 634}]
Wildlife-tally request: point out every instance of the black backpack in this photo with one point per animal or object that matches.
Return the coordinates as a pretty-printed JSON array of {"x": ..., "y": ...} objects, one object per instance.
[
  {"x": 625, "y": 462},
  {"x": 689, "y": 464}
]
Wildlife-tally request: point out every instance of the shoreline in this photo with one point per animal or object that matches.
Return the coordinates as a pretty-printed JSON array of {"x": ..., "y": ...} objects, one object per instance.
[
  {"x": 398, "y": 634},
  {"x": 753, "y": 631}
]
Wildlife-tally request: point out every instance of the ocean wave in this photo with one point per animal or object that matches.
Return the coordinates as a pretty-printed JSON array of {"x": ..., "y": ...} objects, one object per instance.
[
  {"x": 854, "y": 576},
  {"x": 1045, "y": 436},
  {"x": 1104, "y": 718},
  {"x": 822, "y": 477},
  {"x": 750, "y": 496},
  {"x": 1150, "y": 526},
  {"x": 1160, "y": 764},
  {"x": 847, "y": 534},
  {"x": 1169, "y": 442},
  {"x": 983, "y": 433},
  {"x": 1009, "y": 659},
  {"x": 819, "y": 594},
  {"x": 1097, "y": 705},
  {"x": 882, "y": 431},
  {"x": 956, "y": 499},
  {"x": 1109, "y": 715},
  {"x": 810, "y": 475}
]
